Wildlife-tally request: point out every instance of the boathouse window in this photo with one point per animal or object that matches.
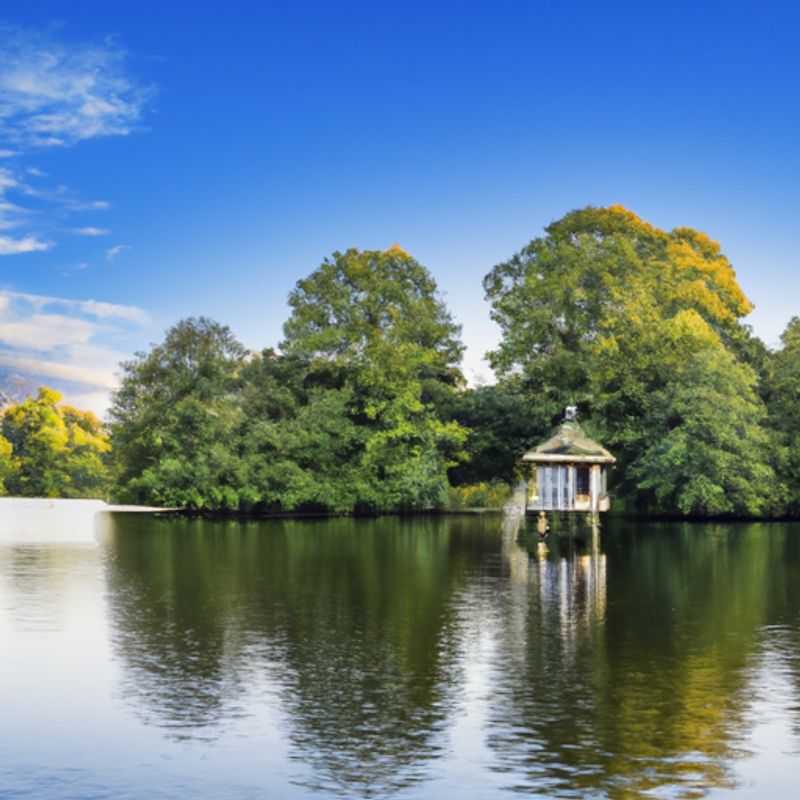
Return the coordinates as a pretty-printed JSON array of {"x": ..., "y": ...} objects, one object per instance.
[
  {"x": 554, "y": 487},
  {"x": 582, "y": 481}
]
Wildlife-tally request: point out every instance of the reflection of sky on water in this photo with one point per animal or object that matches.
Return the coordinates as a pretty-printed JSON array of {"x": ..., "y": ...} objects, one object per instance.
[{"x": 426, "y": 658}]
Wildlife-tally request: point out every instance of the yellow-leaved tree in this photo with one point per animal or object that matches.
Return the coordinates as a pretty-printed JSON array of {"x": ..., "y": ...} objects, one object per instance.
[{"x": 52, "y": 450}]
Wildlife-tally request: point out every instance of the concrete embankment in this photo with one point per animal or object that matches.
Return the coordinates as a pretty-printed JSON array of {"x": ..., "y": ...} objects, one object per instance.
[{"x": 45, "y": 520}]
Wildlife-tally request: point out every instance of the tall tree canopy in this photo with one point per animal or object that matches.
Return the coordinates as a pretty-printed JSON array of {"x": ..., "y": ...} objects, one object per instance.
[
  {"x": 783, "y": 392},
  {"x": 358, "y": 301},
  {"x": 175, "y": 419},
  {"x": 641, "y": 328},
  {"x": 705, "y": 451},
  {"x": 566, "y": 292},
  {"x": 372, "y": 325}
]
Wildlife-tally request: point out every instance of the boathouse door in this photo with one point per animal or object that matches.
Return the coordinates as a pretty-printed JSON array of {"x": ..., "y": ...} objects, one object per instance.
[{"x": 583, "y": 490}]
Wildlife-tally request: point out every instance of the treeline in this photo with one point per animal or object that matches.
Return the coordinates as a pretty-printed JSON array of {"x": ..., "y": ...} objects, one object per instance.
[
  {"x": 344, "y": 418},
  {"x": 363, "y": 406}
]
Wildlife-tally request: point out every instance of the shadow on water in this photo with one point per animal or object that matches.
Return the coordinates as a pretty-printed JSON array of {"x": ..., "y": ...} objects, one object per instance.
[{"x": 622, "y": 665}]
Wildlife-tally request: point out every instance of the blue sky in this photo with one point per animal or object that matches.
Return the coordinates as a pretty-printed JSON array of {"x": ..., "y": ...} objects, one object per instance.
[{"x": 157, "y": 163}]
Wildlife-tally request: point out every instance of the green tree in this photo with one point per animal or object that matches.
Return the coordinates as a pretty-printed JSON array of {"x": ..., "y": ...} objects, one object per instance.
[
  {"x": 609, "y": 312},
  {"x": 307, "y": 458},
  {"x": 175, "y": 420},
  {"x": 7, "y": 466},
  {"x": 341, "y": 419},
  {"x": 87, "y": 453},
  {"x": 783, "y": 395},
  {"x": 707, "y": 452},
  {"x": 371, "y": 324},
  {"x": 572, "y": 288},
  {"x": 358, "y": 299},
  {"x": 503, "y": 420}
]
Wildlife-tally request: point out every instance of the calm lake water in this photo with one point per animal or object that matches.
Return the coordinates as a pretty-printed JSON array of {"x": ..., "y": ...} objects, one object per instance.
[{"x": 420, "y": 658}]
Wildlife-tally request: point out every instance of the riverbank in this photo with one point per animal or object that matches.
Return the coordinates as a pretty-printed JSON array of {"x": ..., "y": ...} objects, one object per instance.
[{"x": 39, "y": 520}]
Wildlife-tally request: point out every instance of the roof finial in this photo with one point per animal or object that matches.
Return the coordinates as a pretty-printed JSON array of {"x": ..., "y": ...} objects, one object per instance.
[{"x": 570, "y": 413}]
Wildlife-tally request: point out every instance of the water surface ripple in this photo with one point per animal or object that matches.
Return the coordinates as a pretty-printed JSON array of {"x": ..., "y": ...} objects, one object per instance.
[{"x": 409, "y": 658}]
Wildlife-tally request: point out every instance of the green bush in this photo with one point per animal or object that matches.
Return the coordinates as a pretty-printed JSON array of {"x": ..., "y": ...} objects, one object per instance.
[{"x": 478, "y": 495}]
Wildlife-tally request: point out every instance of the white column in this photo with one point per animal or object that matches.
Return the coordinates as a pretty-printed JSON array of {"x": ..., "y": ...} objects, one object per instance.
[{"x": 571, "y": 490}]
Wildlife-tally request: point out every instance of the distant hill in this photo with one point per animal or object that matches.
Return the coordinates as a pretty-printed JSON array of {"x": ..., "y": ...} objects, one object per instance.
[{"x": 14, "y": 387}]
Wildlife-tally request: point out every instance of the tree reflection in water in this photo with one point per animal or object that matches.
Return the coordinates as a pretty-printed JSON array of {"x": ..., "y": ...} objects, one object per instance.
[
  {"x": 612, "y": 666},
  {"x": 632, "y": 672},
  {"x": 350, "y": 623}
]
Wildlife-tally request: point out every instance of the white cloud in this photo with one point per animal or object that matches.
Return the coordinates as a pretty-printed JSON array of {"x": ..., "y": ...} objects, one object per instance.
[
  {"x": 113, "y": 311},
  {"x": 43, "y": 332},
  {"x": 11, "y": 215},
  {"x": 55, "y": 94},
  {"x": 93, "y": 308},
  {"x": 114, "y": 251},
  {"x": 25, "y": 244},
  {"x": 72, "y": 345},
  {"x": 7, "y": 180},
  {"x": 99, "y": 377},
  {"x": 91, "y": 231},
  {"x": 14, "y": 216},
  {"x": 96, "y": 402}
]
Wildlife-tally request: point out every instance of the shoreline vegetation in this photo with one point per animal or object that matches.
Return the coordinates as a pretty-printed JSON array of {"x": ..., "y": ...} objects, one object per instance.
[{"x": 363, "y": 409}]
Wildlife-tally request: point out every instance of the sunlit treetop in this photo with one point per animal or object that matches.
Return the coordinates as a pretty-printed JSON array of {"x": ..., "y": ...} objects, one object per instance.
[
  {"x": 596, "y": 267},
  {"x": 602, "y": 222},
  {"x": 699, "y": 261},
  {"x": 361, "y": 299}
]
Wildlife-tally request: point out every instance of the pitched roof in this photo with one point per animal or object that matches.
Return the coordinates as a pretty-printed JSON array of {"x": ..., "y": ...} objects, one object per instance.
[{"x": 569, "y": 443}]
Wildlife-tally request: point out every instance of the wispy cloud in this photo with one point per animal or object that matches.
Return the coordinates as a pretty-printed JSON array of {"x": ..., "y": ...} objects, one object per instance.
[
  {"x": 13, "y": 216},
  {"x": 91, "y": 205},
  {"x": 42, "y": 332},
  {"x": 114, "y": 251},
  {"x": 7, "y": 180},
  {"x": 99, "y": 377},
  {"x": 72, "y": 344},
  {"x": 68, "y": 272},
  {"x": 92, "y": 308},
  {"x": 91, "y": 231},
  {"x": 26, "y": 244},
  {"x": 56, "y": 94}
]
